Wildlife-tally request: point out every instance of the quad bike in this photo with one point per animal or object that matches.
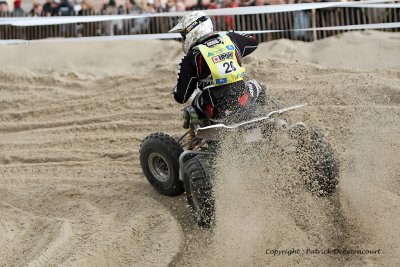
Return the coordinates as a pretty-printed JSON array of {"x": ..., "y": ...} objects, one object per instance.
[{"x": 174, "y": 165}]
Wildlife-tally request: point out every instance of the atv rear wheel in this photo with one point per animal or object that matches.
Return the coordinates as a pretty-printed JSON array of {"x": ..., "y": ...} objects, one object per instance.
[
  {"x": 197, "y": 180},
  {"x": 159, "y": 159},
  {"x": 318, "y": 164}
]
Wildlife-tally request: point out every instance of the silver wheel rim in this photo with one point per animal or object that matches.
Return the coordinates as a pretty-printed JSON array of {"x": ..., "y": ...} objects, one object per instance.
[{"x": 158, "y": 167}]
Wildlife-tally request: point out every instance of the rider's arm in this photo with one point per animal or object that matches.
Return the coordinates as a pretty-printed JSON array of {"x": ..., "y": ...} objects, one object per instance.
[
  {"x": 187, "y": 79},
  {"x": 245, "y": 43}
]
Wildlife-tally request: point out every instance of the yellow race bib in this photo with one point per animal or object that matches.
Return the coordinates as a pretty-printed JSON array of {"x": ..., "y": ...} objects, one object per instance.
[{"x": 222, "y": 61}]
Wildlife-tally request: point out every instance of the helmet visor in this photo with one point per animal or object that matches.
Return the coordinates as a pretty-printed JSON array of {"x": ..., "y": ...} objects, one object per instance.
[
  {"x": 192, "y": 25},
  {"x": 195, "y": 23}
]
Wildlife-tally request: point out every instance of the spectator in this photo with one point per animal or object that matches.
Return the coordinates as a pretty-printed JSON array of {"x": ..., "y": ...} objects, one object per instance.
[
  {"x": 212, "y": 5},
  {"x": 134, "y": 26},
  {"x": 247, "y": 3},
  {"x": 132, "y": 7},
  {"x": 149, "y": 8},
  {"x": 111, "y": 8},
  {"x": 180, "y": 6},
  {"x": 3, "y": 7},
  {"x": 302, "y": 20},
  {"x": 84, "y": 29},
  {"x": 86, "y": 8},
  {"x": 49, "y": 8},
  {"x": 262, "y": 2},
  {"x": 115, "y": 25},
  {"x": 276, "y": 2},
  {"x": 201, "y": 5},
  {"x": 18, "y": 11},
  {"x": 37, "y": 10},
  {"x": 175, "y": 5},
  {"x": 121, "y": 10},
  {"x": 229, "y": 19},
  {"x": 159, "y": 6},
  {"x": 103, "y": 8},
  {"x": 65, "y": 9},
  {"x": 171, "y": 6}
]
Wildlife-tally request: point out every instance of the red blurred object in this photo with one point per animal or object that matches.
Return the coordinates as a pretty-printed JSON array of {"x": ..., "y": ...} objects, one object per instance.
[
  {"x": 243, "y": 99},
  {"x": 17, "y": 3},
  {"x": 229, "y": 19},
  {"x": 209, "y": 111}
]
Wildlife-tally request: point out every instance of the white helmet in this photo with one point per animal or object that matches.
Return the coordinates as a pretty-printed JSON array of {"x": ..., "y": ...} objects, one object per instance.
[{"x": 192, "y": 27}]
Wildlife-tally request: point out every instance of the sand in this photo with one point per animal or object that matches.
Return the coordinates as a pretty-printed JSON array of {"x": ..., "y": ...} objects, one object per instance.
[{"x": 72, "y": 192}]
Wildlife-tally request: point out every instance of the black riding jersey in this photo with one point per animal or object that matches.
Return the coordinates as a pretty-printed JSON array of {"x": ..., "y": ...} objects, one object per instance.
[{"x": 195, "y": 73}]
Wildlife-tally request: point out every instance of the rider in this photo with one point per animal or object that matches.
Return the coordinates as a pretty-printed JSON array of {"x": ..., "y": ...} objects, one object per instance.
[{"x": 213, "y": 64}]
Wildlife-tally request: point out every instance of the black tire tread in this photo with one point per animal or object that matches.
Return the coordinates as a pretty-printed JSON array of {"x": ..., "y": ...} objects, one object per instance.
[
  {"x": 174, "y": 149},
  {"x": 199, "y": 171},
  {"x": 321, "y": 168}
]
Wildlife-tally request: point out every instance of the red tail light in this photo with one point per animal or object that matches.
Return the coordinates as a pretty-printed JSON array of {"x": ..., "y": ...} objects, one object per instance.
[
  {"x": 209, "y": 111},
  {"x": 243, "y": 99}
]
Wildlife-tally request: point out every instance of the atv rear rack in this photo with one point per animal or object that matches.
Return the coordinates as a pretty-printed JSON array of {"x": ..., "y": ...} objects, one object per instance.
[{"x": 212, "y": 130}]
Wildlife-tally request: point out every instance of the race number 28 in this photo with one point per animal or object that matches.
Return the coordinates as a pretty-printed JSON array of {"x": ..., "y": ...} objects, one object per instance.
[{"x": 229, "y": 67}]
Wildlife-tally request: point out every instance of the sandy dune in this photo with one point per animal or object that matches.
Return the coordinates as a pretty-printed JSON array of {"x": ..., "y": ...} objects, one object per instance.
[{"x": 72, "y": 193}]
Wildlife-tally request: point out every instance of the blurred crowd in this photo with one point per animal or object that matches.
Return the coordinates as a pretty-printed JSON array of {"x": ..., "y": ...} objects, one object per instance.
[
  {"x": 116, "y": 7},
  {"x": 80, "y": 7},
  {"x": 145, "y": 25}
]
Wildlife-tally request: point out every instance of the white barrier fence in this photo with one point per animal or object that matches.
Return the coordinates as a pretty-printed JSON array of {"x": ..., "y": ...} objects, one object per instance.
[{"x": 307, "y": 22}]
